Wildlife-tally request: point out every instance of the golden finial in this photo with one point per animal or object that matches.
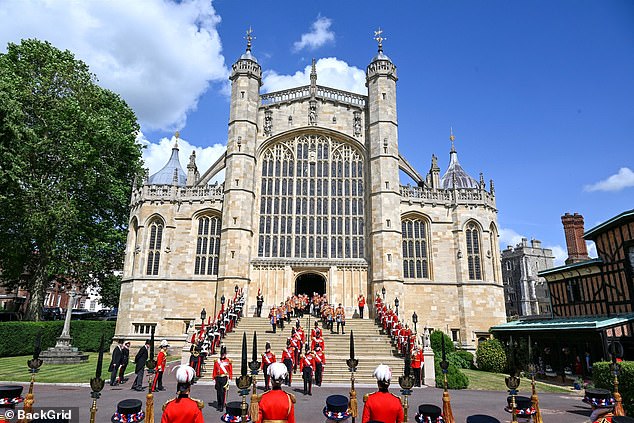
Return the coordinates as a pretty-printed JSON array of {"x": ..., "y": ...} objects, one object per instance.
[
  {"x": 176, "y": 135},
  {"x": 249, "y": 38},
  {"x": 452, "y": 138},
  {"x": 379, "y": 38}
]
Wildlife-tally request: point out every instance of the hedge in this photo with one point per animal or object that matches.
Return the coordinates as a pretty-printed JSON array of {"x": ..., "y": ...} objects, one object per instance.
[
  {"x": 18, "y": 338},
  {"x": 490, "y": 356},
  {"x": 467, "y": 357},
  {"x": 603, "y": 378},
  {"x": 455, "y": 378},
  {"x": 436, "y": 342}
]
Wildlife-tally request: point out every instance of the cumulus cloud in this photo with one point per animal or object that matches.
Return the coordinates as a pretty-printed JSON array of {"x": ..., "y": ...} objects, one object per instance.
[
  {"x": 160, "y": 56},
  {"x": 319, "y": 35},
  {"x": 331, "y": 72},
  {"x": 560, "y": 253},
  {"x": 592, "y": 249},
  {"x": 624, "y": 178},
  {"x": 155, "y": 155},
  {"x": 508, "y": 237}
]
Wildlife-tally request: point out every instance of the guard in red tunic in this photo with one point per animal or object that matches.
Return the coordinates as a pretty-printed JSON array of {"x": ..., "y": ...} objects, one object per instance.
[
  {"x": 161, "y": 364},
  {"x": 307, "y": 367},
  {"x": 320, "y": 363},
  {"x": 361, "y": 304},
  {"x": 276, "y": 405},
  {"x": 183, "y": 409},
  {"x": 417, "y": 364},
  {"x": 287, "y": 358},
  {"x": 222, "y": 374},
  {"x": 268, "y": 358},
  {"x": 296, "y": 344},
  {"x": 382, "y": 405}
]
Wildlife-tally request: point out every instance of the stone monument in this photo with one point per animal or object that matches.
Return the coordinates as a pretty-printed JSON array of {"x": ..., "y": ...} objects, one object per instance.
[{"x": 428, "y": 354}]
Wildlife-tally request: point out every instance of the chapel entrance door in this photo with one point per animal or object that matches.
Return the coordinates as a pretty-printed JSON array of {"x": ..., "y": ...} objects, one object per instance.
[{"x": 309, "y": 283}]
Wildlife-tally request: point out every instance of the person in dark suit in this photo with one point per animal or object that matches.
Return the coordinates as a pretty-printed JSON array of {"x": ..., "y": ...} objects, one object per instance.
[
  {"x": 115, "y": 362},
  {"x": 140, "y": 359},
  {"x": 125, "y": 359}
]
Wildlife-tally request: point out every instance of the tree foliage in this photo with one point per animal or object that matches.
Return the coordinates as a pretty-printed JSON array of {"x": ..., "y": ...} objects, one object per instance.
[
  {"x": 490, "y": 356},
  {"x": 67, "y": 159},
  {"x": 436, "y": 342}
]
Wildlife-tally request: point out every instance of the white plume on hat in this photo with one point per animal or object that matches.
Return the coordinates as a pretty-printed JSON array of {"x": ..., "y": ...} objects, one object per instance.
[
  {"x": 383, "y": 373},
  {"x": 185, "y": 374},
  {"x": 164, "y": 343},
  {"x": 277, "y": 371}
]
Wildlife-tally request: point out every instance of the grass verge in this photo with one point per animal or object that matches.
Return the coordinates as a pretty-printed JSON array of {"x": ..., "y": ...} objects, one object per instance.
[{"x": 485, "y": 381}]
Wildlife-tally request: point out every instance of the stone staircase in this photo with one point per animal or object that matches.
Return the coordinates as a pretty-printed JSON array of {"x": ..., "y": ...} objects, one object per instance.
[{"x": 371, "y": 348}]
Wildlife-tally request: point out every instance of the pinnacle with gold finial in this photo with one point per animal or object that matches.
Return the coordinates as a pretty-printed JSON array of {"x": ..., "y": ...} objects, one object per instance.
[
  {"x": 177, "y": 136},
  {"x": 249, "y": 38},
  {"x": 452, "y": 138},
  {"x": 379, "y": 38}
]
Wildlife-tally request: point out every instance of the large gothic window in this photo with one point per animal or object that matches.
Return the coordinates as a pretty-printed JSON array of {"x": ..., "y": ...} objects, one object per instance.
[
  {"x": 415, "y": 251},
  {"x": 207, "y": 246},
  {"x": 311, "y": 200},
  {"x": 473, "y": 252},
  {"x": 154, "y": 247}
]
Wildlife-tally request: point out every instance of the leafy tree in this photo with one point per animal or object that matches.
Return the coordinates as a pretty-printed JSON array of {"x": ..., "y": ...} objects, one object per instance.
[
  {"x": 490, "y": 356},
  {"x": 67, "y": 159}
]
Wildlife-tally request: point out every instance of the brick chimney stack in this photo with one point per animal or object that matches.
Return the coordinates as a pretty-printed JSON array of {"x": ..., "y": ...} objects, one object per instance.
[{"x": 573, "y": 229}]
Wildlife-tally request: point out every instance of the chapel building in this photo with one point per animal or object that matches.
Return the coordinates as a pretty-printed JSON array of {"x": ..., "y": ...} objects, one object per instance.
[{"x": 312, "y": 202}]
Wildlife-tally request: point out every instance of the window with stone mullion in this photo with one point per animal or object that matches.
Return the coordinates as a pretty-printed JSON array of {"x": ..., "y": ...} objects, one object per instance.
[
  {"x": 473, "y": 252},
  {"x": 154, "y": 248},
  {"x": 207, "y": 246},
  {"x": 415, "y": 251}
]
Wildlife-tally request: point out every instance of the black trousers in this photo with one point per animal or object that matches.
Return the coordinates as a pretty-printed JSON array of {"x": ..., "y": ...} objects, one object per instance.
[
  {"x": 113, "y": 375},
  {"x": 258, "y": 311},
  {"x": 122, "y": 371},
  {"x": 417, "y": 376},
  {"x": 319, "y": 373},
  {"x": 221, "y": 381},
  {"x": 307, "y": 374},
  {"x": 289, "y": 367},
  {"x": 267, "y": 377},
  {"x": 343, "y": 326},
  {"x": 159, "y": 381},
  {"x": 361, "y": 312},
  {"x": 138, "y": 381}
]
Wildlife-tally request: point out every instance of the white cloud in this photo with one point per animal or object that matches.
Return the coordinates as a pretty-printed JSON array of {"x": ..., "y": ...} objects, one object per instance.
[
  {"x": 560, "y": 253},
  {"x": 155, "y": 155},
  {"x": 319, "y": 35},
  {"x": 624, "y": 178},
  {"x": 159, "y": 55},
  {"x": 592, "y": 249},
  {"x": 508, "y": 237},
  {"x": 331, "y": 72}
]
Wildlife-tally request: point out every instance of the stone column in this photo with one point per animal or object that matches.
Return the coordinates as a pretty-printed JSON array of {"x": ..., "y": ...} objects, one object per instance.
[{"x": 64, "y": 339}]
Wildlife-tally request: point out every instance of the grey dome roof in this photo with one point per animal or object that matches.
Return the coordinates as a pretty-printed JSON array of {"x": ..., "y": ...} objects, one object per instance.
[
  {"x": 247, "y": 55},
  {"x": 381, "y": 56},
  {"x": 457, "y": 173},
  {"x": 165, "y": 176}
]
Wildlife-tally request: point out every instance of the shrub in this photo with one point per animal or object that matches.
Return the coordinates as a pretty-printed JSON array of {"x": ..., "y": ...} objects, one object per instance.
[
  {"x": 467, "y": 357},
  {"x": 603, "y": 378},
  {"x": 436, "y": 342},
  {"x": 491, "y": 357},
  {"x": 455, "y": 378},
  {"x": 18, "y": 338}
]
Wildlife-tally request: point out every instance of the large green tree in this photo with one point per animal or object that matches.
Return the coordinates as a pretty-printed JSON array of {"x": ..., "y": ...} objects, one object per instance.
[{"x": 68, "y": 157}]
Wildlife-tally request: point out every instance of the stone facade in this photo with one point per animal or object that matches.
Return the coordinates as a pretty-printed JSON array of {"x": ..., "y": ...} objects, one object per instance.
[
  {"x": 525, "y": 293},
  {"x": 312, "y": 201}
]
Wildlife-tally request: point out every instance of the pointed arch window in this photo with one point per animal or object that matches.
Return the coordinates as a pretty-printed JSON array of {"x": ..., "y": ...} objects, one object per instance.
[
  {"x": 473, "y": 252},
  {"x": 207, "y": 246},
  {"x": 415, "y": 251},
  {"x": 493, "y": 234},
  {"x": 154, "y": 247}
]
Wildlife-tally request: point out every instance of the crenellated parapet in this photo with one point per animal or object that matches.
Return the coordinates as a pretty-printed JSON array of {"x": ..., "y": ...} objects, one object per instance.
[
  {"x": 323, "y": 93},
  {"x": 175, "y": 193},
  {"x": 447, "y": 197}
]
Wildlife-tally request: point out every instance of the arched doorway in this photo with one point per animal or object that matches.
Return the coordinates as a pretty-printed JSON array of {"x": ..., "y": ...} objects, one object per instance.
[{"x": 308, "y": 283}]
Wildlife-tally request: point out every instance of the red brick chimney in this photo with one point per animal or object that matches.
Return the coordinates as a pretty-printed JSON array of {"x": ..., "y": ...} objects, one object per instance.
[{"x": 573, "y": 229}]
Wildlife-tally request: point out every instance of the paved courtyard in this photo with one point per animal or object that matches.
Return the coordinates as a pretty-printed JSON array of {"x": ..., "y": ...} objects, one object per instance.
[{"x": 555, "y": 407}]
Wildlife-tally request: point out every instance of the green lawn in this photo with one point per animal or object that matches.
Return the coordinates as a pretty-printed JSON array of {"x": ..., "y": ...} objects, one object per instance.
[{"x": 486, "y": 381}]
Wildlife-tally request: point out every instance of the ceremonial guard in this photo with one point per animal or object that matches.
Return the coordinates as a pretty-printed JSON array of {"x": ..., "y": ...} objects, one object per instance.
[
  {"x": 296, "y": 344},
  {"x": 336, "y": 409},
  {"x": 161, "y": 364},
  {"x": 602, "y": 403},
  {"x": 307, "y": 367},
  {"x": 128, "y": 410},
  {"x": 287, "y": 358},
  {"x": 260, "y": 302},
  {"x": 276, "y": 406},
  {"x": 361, "y": 303},
  {"x": 222, "y": 373},
  {"x": 320, "y": 362},
  {"x": 340, "y": 318},
  {"x": 195, "y": 361},
  {"x": 417, "y": 364},
  {"x": 268, "y": 358},
  {"x": 429, "y": 413},
  {"x": 382, "y": 405},
  {"x": 183, "y": 409},
  {"x": 140, "y": 359}
]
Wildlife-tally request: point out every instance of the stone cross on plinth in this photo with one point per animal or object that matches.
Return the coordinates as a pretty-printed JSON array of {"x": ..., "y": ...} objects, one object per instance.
[{"x": 63, "y": 352}]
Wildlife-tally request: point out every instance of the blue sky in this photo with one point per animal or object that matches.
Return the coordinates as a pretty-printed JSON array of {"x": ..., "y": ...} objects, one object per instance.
[{"x": 540, "y": 94}]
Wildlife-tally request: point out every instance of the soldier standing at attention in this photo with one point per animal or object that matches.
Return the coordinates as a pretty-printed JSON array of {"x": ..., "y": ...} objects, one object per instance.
[
  {"x": 320, "y": 362},
  {"x": 276, "y": 405},
  {"x": 183, "y": 409},
  {"x": 287, "y": 358},
  {"x": 223, "y": 372},
  {"x": 382, "y": 405},
  {"x": 307, "y": 367},
  {"x": 361, "y": 305},
  {"x": 268, "y": 358},
  {"x": 161, "y": 363}
]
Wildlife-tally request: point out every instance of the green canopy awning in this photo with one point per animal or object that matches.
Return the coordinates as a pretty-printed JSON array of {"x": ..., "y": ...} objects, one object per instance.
[{"x": 565, "y": 323}]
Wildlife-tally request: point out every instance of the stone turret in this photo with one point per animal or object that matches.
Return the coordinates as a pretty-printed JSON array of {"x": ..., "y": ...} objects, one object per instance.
[
  {"x": 382, "y": 145},
  {"x": 237, "y": 222}
]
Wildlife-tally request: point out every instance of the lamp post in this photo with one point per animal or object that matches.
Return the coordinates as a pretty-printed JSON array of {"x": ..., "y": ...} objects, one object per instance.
[
  {"x": 383, "y": 292},
  {"x": 236, "y": 289},
  {"x": 203, "y": 316},
  {"x": 415, "y": 320},
  {"x": 396, "y": 303}
]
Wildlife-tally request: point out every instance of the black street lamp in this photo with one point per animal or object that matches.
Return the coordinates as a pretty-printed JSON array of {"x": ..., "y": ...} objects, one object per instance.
[
  {"x": 383, "y": 292},
  {"x": 396, "y": 303},
  {"x": 203, "y": 315},
  {"x": 415, "y": 320},
  {"x": 222, "y": 299},
  {"x": 236, "y": 289}
]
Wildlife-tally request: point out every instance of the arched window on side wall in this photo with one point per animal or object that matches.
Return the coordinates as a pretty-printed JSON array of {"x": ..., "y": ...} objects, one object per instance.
[
  {"x": 154, "y": 247},
  {"x": 415, "y": 249},
  {"x": 207, "y": 246},
  {"x": 473, "y": 252},
  {"x": 495, "y": 259}
]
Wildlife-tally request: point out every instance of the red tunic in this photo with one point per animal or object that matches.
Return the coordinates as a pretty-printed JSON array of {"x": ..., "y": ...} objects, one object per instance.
[
  {"x": 288, "y": 353},
  {"x": 267, "y": 359},
  {"x": 223, "y": 367},
  {"x": 161, "y": 362},
  {"x": 384, "y": 407},
  {"x": 276, "y": 405},
  {"x": 307, "y": 361},
  {"x": 318, "y": 341},
  {"x": 182, "y": 410},
  {"x": 417, "y": 359},
  {"x": 320, "y": 357}
]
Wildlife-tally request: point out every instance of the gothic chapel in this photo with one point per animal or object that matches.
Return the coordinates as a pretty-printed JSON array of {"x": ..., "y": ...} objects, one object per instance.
[{"x": 312, "y": 202}]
